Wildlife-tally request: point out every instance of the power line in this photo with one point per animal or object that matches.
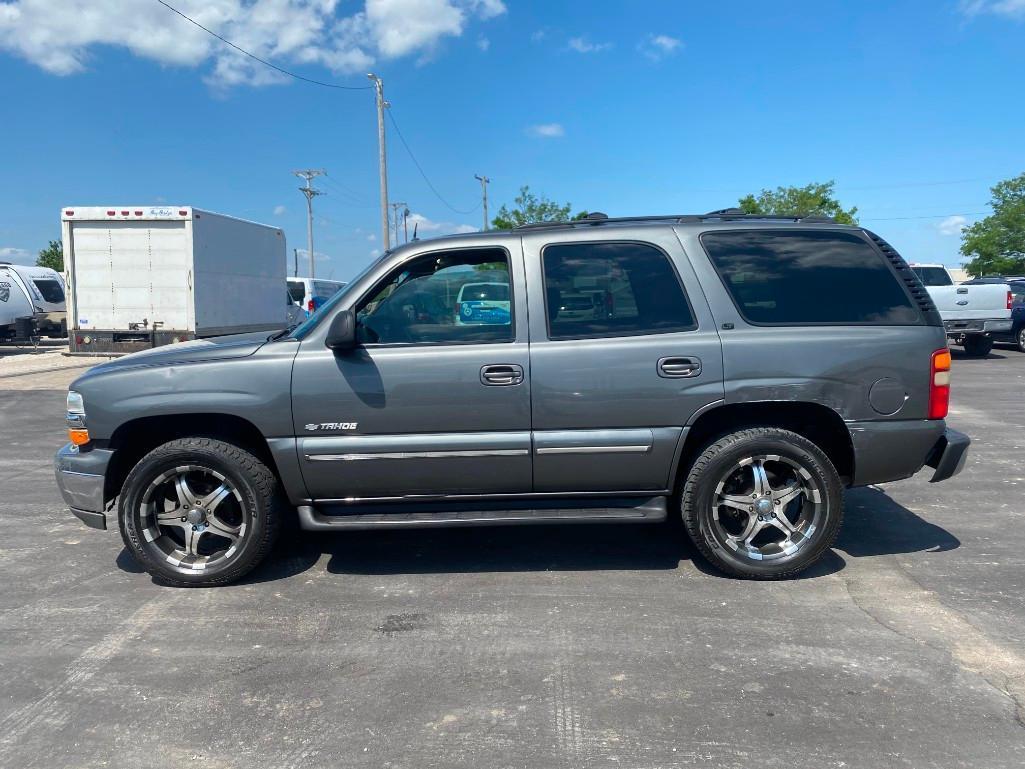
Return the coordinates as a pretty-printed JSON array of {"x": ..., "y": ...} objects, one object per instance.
[
  {"x": 264, "y": 61},
  {"x": 421, "y": 170}
]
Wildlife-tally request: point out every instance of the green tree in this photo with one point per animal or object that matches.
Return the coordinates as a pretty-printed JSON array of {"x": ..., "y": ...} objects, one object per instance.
[
  {"x": 52, "y": 256},
  {"x": 996, "y": 245},
  {"x": 815, "y": 199},
  {"x": 530, "y": 209}
]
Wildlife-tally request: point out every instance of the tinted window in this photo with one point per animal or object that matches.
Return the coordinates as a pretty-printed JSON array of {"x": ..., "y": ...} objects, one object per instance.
[
  {"x": 424, "y": 301},
  {"x": 795, "y": 277},
  {"x": 612, "y": 289},
  {"x": 1017, "y": 292},
  {"x": 933, "y": 276},
  {"x": 51, "y": 290},
  {"x": 297, "y": 290}
]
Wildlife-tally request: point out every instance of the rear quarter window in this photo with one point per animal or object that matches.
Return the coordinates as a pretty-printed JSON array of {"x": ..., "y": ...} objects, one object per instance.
[{"x": 801, "y": 277}]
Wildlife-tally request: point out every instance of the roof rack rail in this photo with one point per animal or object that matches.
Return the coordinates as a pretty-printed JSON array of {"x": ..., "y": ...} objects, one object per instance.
[{"x": 723, "y": 214}]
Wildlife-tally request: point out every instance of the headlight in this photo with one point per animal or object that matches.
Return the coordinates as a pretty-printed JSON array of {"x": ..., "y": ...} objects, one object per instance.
[
  {"x": 77, "y": 432},
  {"x": 75, "y": 403}
]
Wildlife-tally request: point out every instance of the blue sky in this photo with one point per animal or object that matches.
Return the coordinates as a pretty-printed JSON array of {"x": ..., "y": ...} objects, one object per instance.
[{"x": 914, "y": 108}]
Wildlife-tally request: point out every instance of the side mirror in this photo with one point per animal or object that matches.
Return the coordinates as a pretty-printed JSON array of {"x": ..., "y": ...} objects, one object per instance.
[{"x": 342, "y": 333}]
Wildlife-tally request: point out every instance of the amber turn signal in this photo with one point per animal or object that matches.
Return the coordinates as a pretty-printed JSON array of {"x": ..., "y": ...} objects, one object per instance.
[{"x": 78, "y": 436}]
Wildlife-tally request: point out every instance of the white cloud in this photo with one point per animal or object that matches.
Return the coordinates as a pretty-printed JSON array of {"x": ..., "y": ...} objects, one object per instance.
[
  {"x": 657, "y": 47},
  {"x": 538, "y": 35},
  {"x": 583, "y": 45},
  {"x": 279, "y": 210},
  {"x": 546, "y": 131},
  {"x": 1010, "y": 8},
  {"x": 16, "y": 255},
  {"x": 952, "y": 225},
  {"x": 58, "y": 35},
  {"x": 371, "y": 236},
  {"x": 483, "y": 43},
  {"x": 426, "y": 225}
]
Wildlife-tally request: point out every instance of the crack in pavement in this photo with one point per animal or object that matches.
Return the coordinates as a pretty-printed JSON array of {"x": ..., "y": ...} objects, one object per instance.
[{"x": 895, "y": 600}]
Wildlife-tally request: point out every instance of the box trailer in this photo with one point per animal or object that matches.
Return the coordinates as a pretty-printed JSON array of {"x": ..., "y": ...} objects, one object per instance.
[{"x": 143, "y": 276}]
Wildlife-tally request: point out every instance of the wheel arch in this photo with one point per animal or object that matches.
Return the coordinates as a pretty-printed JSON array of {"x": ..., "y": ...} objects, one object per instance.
[
  {"x": 132, "y": 440},
  {"x": 820, "y": 424}
]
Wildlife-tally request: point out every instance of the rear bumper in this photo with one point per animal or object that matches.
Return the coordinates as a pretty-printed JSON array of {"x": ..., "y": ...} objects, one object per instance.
[
  {"x": 980, "y": 326},
  {"x": 948, "y": 455},
  {"x": 81, "y": 478},
  {"x": 893, "y": 450}
]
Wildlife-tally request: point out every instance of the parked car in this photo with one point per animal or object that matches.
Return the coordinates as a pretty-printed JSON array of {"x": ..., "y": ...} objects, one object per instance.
[
  {"x": 16, "y": 307},
  {"x": 310, "y": 294},
  {"x": 483, "y": 303},
  {"x": 749, "y": 369},
  {"x": 972, "y": 313},
  {"x": 45, "y": 290},
  {"x": 1016, "y": 334}
]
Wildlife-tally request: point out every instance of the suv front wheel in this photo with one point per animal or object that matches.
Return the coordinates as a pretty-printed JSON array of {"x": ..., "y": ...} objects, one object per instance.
[
  {"x": 762, "y": 503},
  {"x": 199, "y": 512}
]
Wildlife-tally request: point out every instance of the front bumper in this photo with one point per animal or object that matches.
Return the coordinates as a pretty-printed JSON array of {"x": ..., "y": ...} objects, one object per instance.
[{"x": 81, "y": 478}]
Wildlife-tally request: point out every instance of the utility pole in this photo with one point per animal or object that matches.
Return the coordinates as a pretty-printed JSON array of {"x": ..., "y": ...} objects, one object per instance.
[
  {"x": 295, "y": 257},
  {"x": 310, "y": 193},
  {"x": 405, "y": 228},
  {"x": 382, "y": 154},
  {"x": 484, "y": 192},
  {"x": 395, "y": 218}
]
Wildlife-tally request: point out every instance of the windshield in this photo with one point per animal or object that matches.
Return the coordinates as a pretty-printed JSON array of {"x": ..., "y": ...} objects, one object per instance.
[
  {"x": 311, "y": 322},
  {"x": 933, "y": 276},
  {"x": 51, "y": 290}
]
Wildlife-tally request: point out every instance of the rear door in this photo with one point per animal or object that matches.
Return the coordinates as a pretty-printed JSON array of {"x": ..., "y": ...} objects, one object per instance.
[{"x": 621, "y": 357}]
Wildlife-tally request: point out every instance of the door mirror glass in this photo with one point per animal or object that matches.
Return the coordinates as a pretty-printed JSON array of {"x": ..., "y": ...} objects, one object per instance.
[{"x": 342, "y": 333}]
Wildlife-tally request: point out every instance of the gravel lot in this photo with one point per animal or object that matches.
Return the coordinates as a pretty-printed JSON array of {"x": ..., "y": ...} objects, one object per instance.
[{"x": 527, "y": 647}]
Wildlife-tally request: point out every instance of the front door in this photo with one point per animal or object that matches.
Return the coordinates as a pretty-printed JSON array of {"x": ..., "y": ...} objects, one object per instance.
[
  {"x": 436, "y": 399},
  {"x": 621, "y": 355}
]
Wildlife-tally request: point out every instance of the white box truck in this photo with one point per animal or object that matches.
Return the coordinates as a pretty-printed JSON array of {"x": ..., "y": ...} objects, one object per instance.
[{"x": 143, "y": 276}]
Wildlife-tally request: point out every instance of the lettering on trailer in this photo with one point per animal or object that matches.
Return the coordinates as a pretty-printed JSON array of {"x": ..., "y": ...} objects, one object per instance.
[{"x": 161, "y": 212}]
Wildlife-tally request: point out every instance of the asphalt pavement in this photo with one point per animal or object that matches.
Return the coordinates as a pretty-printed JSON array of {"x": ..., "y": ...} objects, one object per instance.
[{"x": 587, "y": 646}]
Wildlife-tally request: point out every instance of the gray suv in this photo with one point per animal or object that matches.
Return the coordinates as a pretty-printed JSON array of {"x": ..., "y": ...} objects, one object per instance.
[{"x": 736, "y": 371}]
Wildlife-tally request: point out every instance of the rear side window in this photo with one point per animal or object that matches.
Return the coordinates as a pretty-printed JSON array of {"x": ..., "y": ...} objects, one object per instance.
[
  {"x": 52, "y": 290},
  {"x": 933, "y": 276},
  {"x": 612, "y": 289},
  {"x": 297, "y": 290},
  {"x": 807, "y": 277}
]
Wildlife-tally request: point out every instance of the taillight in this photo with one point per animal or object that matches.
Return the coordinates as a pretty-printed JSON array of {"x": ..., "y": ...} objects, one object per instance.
[
  {"x": 310, "y": 307},
  {"x": 939, "y": 384},
  {"x": 1010, "y": 300}
]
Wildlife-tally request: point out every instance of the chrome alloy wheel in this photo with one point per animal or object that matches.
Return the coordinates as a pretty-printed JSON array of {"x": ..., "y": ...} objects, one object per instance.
[
  {"x": 766, "y": 507},
  {"x": 194, "y": 516}
]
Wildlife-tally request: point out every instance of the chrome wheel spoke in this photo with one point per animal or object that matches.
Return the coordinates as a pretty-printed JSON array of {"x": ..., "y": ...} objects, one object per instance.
[
  {"x": 762, "y": 487},
  {"x": 170, "y": 518},
  {"x": 215, "y": 497},
  {"x": 781, "y": 522},
  {"x": 735, "y": 501},
  {"x": 222, "y": 529},
  {"x": 192, "y": 537},
  {"x": 751, "y": 530},
  {"x": 785, "y": 496},
  {"x": 186, "y": 497}
]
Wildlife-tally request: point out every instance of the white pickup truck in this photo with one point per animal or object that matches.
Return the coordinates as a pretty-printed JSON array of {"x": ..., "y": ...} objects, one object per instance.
[{"x": 971, "y": 313}]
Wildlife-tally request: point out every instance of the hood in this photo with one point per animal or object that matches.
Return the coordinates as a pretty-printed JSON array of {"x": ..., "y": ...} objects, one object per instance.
[{"x": 214, "y": 348}]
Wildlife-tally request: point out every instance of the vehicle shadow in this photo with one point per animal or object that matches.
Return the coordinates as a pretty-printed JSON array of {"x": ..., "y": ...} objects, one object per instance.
[
  {"x": 956, "y": 353},
  {"x": 874, "y": 525}
]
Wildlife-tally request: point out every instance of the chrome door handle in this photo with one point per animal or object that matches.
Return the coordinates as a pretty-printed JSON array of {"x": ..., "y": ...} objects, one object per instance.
[
  {"x": 501, "y": 375},
  {"x": 678, "y": 368}
]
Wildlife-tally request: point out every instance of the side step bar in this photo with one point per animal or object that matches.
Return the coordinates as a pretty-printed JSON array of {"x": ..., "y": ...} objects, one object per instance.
[{"x": 620, "y": 510}]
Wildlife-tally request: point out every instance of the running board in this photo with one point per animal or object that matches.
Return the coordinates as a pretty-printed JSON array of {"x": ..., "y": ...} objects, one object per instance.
[{"x": 620, "y": 510}]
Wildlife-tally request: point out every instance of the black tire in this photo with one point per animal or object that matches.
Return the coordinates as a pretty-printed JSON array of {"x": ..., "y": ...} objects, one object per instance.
[
  {"x": 722, "y": 462},
  {"x": 977, "y": 346},
  {"x": 1019, "y": 339},
  {"x": 254, "y": 498}
]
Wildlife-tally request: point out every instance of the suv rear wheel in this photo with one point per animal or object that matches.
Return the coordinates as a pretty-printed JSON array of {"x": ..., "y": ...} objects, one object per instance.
[
  {"x": 199, "y": 512},
  {"x": 1019, "y": 339},
  {"x": 762, "y": 503}
]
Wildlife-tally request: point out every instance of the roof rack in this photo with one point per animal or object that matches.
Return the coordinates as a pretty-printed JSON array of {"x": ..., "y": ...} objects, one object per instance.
[{"x": 723, "y": 214}]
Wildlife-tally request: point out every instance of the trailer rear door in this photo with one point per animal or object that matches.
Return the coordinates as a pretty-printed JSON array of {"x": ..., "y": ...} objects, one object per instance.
[{"x": 130, "y": 272}]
